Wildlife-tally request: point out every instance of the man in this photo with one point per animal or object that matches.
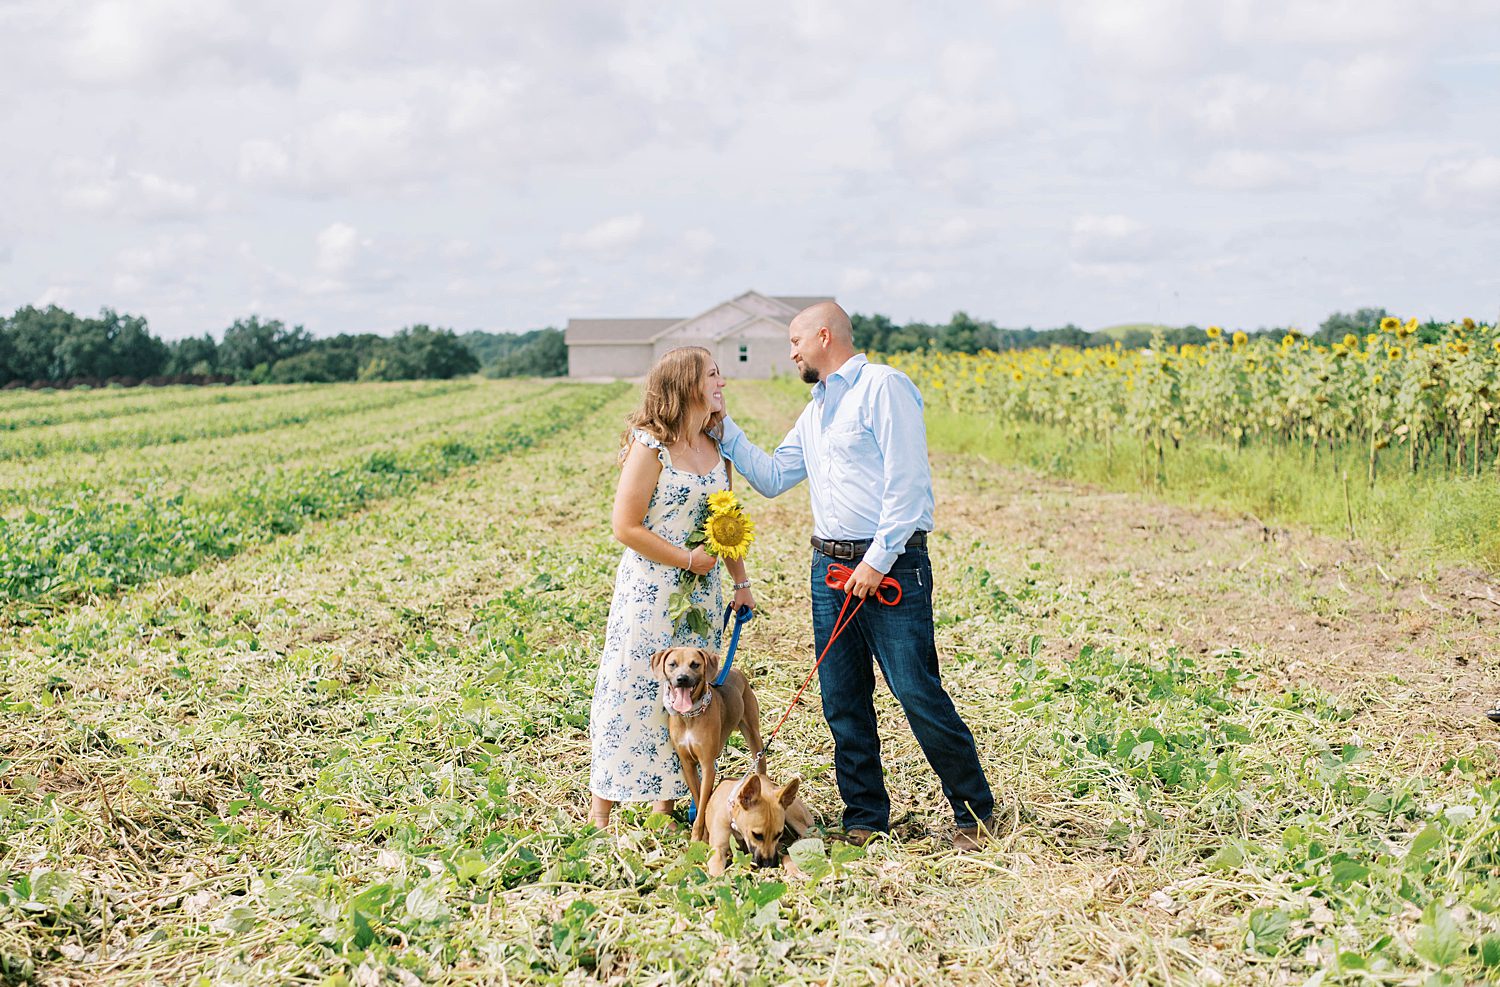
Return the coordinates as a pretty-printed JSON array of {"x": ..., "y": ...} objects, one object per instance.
[{"x": 862, "y": 446}]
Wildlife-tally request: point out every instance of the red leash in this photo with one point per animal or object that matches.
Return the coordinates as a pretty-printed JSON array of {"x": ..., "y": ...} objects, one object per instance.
[{"x": 837, "y": 578}]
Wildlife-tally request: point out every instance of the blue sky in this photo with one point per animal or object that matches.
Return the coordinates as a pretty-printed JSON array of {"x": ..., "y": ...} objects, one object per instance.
[{"x": 356, "y": 166}]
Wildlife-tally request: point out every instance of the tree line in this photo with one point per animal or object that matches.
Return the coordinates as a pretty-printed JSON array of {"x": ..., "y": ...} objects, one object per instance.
[
  {"x": 41, "y": 347},
  {"x": 52, "y": 347},
  {"x": 965, "y": 334}
]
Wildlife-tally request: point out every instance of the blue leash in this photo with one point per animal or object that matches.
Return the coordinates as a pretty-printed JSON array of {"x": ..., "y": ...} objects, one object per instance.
[{"x": 742, "y": 616}]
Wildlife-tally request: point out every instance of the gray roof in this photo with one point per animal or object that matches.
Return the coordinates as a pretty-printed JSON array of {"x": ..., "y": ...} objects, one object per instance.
[
  {"x": 800, "y": 302},
  {"x": 615, "y": 330},
  {"x": 644, "y": 330}
]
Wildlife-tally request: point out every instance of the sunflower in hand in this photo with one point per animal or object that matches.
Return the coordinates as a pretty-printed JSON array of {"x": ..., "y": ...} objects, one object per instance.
[{"x": 725, "y": 532}]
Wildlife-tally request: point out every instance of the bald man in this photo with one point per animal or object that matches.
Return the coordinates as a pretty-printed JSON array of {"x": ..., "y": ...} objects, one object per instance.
[{"x": 862, "y": 447}]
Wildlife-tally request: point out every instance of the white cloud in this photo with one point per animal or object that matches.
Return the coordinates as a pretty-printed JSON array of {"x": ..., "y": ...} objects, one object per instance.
[
  {"x": 165, "y": 255},
  {"x": 1109, "y": 239},
  {"x": 955, "y": 231},
  {"x": 930, "y": 125},
  {"x": 853, "y": 280},
  {"x": 1347, "y": 23},
  {"x": 1326, "y": 100},
  {"x": 339, "y": 249},
  {"x": 912, "y": 284},
  {"x": 347, "y": 150},
  {"x": 107, "y": 190},
  {"x": 610, "y": 235},
  {"x": 155, "y": 42},
  {"x": 1149, "y": 37},
  {"x": 1470, "y": 184},
  {"x": 1250, "y": 171}
]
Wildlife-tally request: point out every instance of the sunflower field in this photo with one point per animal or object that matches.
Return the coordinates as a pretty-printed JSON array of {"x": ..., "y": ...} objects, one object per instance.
[{"x": 1406, "y": 395}]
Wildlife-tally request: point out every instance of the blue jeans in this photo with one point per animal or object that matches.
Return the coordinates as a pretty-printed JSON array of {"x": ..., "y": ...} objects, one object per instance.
[{"x": 901, "y": 639}]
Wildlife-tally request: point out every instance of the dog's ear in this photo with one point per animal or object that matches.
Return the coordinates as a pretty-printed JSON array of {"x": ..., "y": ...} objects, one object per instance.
[
  {"x": 750, "y": 792},
  {"x": 710, "y": 663},
  {"x": 789, "y": 792},
  {"x": 659, "y": 660}
]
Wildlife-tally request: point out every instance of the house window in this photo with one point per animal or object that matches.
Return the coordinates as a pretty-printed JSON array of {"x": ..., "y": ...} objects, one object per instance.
[{"x": 744, "y": 354}]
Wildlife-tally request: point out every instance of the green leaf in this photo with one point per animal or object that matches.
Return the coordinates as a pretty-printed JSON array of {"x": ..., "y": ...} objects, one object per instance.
[
  {"x": 1489, "y": 951},
  {"x": 1227, "y": 857},
  {"x": 241, "y": 919},
  {"x": 811, "y": 857},
  {"x": 1429, "y": 837},
  {"x": 1267, "y": 929},
  {"x": 424, "y": 903},
  {"x": 1346, "y": 872},
  {"x": 1438, "y": 940},
  {"x": 765, "y": 892},
  {"x": 1237, "y": 733}
]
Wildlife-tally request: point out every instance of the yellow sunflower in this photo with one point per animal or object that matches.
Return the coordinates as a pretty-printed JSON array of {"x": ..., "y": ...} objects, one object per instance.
[
  {"x": 729, "y": 535},
  {"x": 1389, "y": 323},
  {"x": 723, "y": 502},
  {"x": 1214, "y": 332},
  {"x": 1240, "y": 339}
]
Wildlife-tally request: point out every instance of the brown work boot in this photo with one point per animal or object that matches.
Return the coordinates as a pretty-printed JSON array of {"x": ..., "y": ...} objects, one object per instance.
[
  {"x": 968, "y": 838},
  {"x": 857, "y": 836}
]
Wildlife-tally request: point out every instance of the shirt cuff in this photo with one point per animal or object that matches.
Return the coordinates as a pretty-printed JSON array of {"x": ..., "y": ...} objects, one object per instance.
[
  {"x": 729, "y": 433},
  {"x": 879, "y": 559}
]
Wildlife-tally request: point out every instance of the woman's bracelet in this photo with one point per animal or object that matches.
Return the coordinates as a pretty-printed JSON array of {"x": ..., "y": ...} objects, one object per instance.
[
  {"x": 689, "y": 551},
  {"x": 742, "y": 585}
]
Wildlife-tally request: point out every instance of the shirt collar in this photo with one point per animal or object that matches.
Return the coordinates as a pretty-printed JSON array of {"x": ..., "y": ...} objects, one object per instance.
[{"x": 845, "y": 374}]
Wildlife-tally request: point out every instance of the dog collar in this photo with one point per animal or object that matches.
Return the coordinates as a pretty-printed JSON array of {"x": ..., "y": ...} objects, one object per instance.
[
  {"x": 698, "y": 707},
  {"x": 734, "y": 795}
]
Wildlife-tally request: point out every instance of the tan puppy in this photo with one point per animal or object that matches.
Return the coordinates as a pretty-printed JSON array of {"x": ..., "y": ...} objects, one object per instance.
[
  {"x": 700, "y": 716},
  {"x": 758, "y": 816}
]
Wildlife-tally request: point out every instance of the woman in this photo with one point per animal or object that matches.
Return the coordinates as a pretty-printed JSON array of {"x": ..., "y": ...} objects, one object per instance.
[{"x": 670, "y": 465}]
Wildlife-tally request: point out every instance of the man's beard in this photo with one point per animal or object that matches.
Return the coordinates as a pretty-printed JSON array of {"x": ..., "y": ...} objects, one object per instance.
[{"x": 810, "y": 375}]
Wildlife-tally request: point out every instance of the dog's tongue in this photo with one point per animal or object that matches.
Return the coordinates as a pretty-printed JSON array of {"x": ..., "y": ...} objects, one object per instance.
[{"x": 682, "y": 699}]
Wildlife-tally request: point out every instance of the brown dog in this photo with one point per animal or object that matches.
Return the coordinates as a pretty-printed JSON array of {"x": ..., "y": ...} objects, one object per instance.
[
  {"x": 758, "y": 816},
  {"x": 700, "y": 716}
]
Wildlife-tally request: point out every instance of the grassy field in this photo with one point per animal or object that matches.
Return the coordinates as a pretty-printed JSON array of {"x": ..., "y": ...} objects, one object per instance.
[{"x": 294, "y": 689}]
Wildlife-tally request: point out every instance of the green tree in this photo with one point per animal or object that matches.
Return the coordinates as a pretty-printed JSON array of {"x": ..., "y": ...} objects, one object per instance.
[
  {"x": 1358, "y": 322},
  {"x": 35, "y": 335},
  {"x": 420, "y": 352},
  {"x": 192, "y": 355},
  {"x": 113, "y": 345},
  {"x": 336, "y": 358},
  {"x": 543, "y": 353},
  {"x": 250, "y": 347}
]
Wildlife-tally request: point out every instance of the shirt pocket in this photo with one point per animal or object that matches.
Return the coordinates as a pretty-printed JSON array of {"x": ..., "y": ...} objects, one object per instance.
[{"x": 852, "y": 452}]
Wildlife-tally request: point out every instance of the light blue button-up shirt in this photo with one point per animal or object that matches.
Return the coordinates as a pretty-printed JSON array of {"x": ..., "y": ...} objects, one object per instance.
[{"x": 862, "y": 446}]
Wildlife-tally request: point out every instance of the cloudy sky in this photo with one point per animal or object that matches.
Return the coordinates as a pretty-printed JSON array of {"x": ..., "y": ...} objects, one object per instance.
[{"x": 358, "y": 166}]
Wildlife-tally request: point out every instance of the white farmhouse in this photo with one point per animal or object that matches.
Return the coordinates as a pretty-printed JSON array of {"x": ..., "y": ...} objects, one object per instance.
[{"x": 747, "y": 335}]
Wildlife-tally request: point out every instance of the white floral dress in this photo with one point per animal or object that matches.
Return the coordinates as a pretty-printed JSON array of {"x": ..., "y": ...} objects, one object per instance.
[{"x": 633, "y": 756}]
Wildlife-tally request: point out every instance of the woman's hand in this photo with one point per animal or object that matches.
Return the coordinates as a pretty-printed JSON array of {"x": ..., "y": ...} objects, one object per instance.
[
  {"x": 743, "y": 598},
  {"x": 700, "y": 563}
]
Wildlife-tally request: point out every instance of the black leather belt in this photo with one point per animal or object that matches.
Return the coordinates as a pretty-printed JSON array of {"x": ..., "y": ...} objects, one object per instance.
[{"x": 852, "y": 550}]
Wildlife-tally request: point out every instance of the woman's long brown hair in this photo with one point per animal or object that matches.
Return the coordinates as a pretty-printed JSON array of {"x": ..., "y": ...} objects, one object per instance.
[{"x": 671, "y": 386}]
